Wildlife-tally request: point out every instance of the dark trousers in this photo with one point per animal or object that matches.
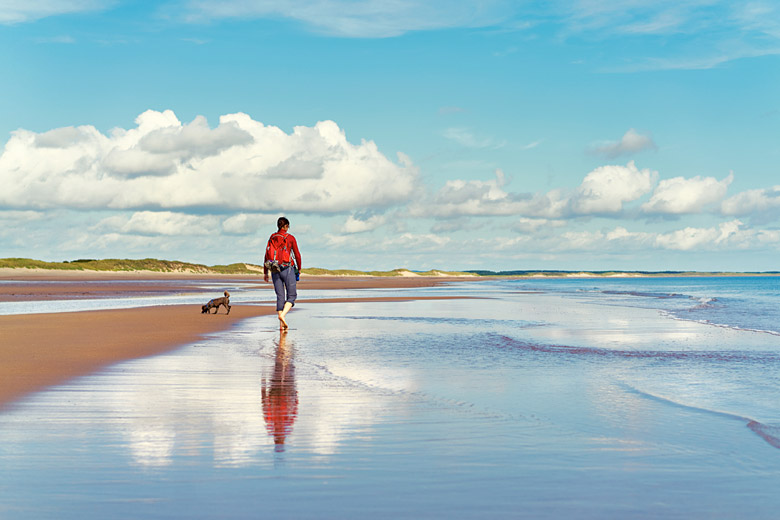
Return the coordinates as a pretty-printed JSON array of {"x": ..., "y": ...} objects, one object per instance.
[{"x": 285, "y": 287}]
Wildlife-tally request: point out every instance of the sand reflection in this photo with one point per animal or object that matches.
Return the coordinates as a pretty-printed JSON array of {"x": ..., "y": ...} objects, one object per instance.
[{"x": 280, "y": 395}]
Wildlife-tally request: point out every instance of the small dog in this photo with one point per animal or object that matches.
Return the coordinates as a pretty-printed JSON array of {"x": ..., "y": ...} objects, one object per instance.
[{"x": 215, "y": 303}]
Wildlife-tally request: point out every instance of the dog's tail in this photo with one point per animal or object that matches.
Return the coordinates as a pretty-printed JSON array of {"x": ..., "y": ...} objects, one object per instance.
[{"x": 227, "y": 294}]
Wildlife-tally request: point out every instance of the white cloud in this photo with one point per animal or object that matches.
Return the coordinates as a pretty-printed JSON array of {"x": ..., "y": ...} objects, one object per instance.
[
  {"x": 16, "y": 11},
  {"x": 679, "y": 195},
  {"x": 726, "y": 236},
  {"x": 404, "y": 243},
  {"x": 465, "y": 137},
  {"x": 535, "y": 225},
  {"x": 355, "y": 224},
  {"x": 696, "y": 34},
  {"x": 605, "y": 189},
  {"x": 21, "y": 216},
  {"x": 366, "y": 19},
  {"x": 752, "y": 202},
  {"x": 454, "y": 225},
  {"x": 631, "y": 143},
  {"x": 415, "y": 242},
  {"x": 241, "y": 165},
  {"x": 459, "y": 198},
  {"x": 248, "y": 224},
  {"x": 161, "y": 223},
  {"x": 702, "y": 238}
]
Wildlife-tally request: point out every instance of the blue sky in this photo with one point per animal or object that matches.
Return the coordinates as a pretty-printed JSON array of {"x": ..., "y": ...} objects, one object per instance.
[{"x": 453, "y": 135}]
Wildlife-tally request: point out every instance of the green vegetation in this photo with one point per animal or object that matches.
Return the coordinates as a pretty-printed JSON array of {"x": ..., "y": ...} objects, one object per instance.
[
  {"x": 168, "y": 266},
  {"x": 115, "y": 265}
]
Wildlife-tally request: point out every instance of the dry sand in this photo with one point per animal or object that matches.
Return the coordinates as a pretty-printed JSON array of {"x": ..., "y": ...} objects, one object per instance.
[{"x": 39, "y": 350}]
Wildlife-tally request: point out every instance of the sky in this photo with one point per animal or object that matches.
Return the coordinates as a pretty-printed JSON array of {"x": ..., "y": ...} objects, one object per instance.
[{"x": 455, "y": 135}]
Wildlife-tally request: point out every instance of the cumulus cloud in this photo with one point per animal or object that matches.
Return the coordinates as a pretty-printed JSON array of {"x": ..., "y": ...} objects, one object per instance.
[
  {"x": 535, "y": 225},
  {"x": 752, "y": 202},
  {"x": 415, "y": 242},
  {"x": 248, "y": 224},
  {"x": 725, "y": 236},
  {"x": 21, "y": 216},
  {"x": 679, "y": 195},
  {"x": 458, "y": 198},
  {"x": 700, "y": 238},
  {"x": 632, "y": 142},
  {"x": 362, "y": 224},
  {"x": 366, "y": 19},
  {"x": 16, "y": 11},
  {"x": 453, "y": 225},
  {"x": 604, "y": 191},
  {"x": 165, "y": 223},
  {"x": 241, "y": 165},
  {"x": 607, "y": 188},
  {"x": 403, "y": 242}
]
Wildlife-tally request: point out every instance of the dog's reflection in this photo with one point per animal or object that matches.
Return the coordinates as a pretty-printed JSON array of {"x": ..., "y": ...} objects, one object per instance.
[{"x": 280, "y": 397}]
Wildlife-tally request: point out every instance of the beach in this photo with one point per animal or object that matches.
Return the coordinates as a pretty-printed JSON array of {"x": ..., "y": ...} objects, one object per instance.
[
  {"x": 43, "y": 349},
  {"x": 535, "y": 399}
]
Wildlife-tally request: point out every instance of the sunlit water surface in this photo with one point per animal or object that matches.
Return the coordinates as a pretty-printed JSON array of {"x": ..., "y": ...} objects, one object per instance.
[{"x": 571, "y": 399}]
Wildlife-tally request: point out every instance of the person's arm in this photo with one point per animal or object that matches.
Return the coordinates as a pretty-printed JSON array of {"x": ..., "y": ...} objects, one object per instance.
[
  {"x": 297, "y": 253},
  {"x": 265, "y": 258}
]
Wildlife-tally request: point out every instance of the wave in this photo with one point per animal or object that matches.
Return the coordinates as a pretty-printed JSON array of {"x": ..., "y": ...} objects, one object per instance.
[
  {"x": 676, "y": 316},
  {"x": 438, "y": 320},
  {"x": 730, "y": 313},
  {"x": 645, "y": 294},
  {"x": 703, "y": 303},
  {"x": 769, "y": 433},
  {"x": 716, "y": 356}
]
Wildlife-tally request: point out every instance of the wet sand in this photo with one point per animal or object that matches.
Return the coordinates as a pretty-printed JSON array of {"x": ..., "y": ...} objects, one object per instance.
[
  {"x": 47, "y": 285},
  {"x": 40, "y": 350}
]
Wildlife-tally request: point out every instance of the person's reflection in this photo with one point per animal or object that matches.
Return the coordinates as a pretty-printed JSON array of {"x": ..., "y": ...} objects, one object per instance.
[{"x": 280, "y": 398}]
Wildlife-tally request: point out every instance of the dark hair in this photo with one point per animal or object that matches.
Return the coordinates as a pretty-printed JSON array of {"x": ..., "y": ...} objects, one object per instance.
[{"x": 281, "y": 222}]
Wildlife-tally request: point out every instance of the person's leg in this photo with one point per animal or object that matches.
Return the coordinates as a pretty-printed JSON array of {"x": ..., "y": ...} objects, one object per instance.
[
  {"x": 288, "y": 276},
  {"x": 279, "y": 289}
]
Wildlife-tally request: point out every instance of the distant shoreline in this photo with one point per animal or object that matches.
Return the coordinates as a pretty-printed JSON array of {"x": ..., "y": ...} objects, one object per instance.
[{"x": 20, "y": 268}]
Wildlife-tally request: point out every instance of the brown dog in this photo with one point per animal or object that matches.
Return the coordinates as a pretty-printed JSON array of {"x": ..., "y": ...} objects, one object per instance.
[{"x": 215, "y": 303}]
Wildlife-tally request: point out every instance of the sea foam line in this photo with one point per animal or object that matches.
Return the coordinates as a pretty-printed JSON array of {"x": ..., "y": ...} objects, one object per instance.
[
  {"x": 672, "y": 315},
  {"x": 770, "y": 434}
]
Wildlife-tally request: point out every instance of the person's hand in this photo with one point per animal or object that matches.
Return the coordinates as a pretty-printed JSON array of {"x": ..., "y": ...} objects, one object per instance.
[{"x": 265, "y": 277}]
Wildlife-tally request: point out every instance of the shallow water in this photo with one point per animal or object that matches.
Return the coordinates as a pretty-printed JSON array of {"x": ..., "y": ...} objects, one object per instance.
[
  {"x": 201, "y": 293},
  {"x": 559, "y": 404}
]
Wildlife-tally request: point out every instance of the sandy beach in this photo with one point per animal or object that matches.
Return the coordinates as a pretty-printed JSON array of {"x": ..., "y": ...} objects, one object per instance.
[{"x": 39, "y": 350}]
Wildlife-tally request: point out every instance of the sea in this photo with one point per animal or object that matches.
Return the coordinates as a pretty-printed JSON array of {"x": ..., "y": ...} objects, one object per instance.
[{"x": 579, "y": 397}]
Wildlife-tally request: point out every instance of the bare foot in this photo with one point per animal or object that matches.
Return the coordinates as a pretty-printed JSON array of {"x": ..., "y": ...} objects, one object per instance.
[{"x": 282, "y": 323}]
